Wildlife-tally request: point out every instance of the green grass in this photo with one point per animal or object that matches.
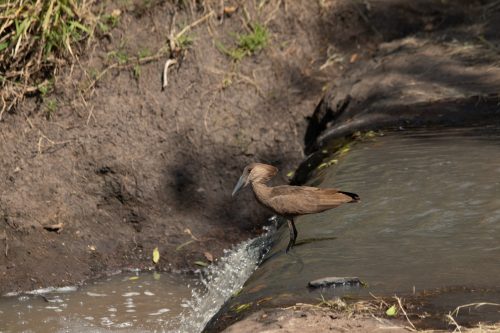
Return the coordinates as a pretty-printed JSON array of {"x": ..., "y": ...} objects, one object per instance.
[
  {"x": 143, "y": 53},
  {"x": 119, "y": 56},
  {"x": 184, "y": 41},
  {"x": 136, "y": 71},
  {"x": 50, "y": 108},
  {"x": 254, "y": 41},
  {"x": 247, "y": 44},
  {"x": 107, "y": 22}
]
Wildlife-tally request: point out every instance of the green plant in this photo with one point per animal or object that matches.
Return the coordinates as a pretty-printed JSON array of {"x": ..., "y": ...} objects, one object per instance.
[
  {"x": 107, "y": 22},
  {"x": 45, "y": 87},
  {"x": 247, "y": 44},
  {"x": 184, "y": 41},
  {"x": 144, "y": 53},
  {"x": 226, "y": 82},
  {"x": 254, "y": 41},
  {"x": 136, "y": 71},
  {"x": 235, "y": 54},
  {"x": 50, "y": 108},
  {"x": 120, "y": 56}
]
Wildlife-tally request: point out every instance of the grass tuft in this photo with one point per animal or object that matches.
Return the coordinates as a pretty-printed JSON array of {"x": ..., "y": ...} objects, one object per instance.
[
  {"x": 36, "y": 37},
  {"x": 247, "y": 44},
  {"x": 254, "y": 41}
]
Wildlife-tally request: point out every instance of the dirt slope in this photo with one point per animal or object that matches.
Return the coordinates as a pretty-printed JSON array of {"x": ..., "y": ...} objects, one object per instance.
[
  {"x": 123, "y": 166},
  {"x": 116, "y": 166}
]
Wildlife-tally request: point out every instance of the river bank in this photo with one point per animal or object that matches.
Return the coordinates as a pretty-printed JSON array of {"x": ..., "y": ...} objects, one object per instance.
[
  {"x": 109, "y": 163},
  {"x": 107, "y": 166}
]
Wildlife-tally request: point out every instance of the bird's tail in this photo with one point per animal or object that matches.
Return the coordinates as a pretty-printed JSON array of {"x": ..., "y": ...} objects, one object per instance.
[{"x": 354, "y": 196}]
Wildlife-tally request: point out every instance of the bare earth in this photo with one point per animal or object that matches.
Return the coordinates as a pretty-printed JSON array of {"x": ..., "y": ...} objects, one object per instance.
[
  {"x": 121, "y": 167},
  {"x": 305, "y": 318}
]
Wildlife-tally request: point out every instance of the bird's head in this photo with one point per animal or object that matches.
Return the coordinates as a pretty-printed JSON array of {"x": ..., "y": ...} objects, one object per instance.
[{"x": 255, "y": 172}]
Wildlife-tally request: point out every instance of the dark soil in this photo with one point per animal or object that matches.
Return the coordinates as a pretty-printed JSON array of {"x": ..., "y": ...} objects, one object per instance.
[
  {"x": 93, "y": 179},
  {"x": 95, "y": 184}
]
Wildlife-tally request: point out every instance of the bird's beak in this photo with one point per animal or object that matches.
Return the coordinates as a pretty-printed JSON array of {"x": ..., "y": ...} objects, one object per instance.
[{"x": 239, "y": 185}]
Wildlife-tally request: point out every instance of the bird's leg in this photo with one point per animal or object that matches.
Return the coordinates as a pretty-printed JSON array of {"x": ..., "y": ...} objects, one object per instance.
[{"x": 293, "y": 234}]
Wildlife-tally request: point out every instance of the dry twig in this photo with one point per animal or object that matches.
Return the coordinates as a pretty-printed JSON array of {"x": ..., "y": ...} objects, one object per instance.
[
  {"x": 404, "y": 312},
  {"x": 475, "y": 305},
  {"x": 168, "y": 63}
]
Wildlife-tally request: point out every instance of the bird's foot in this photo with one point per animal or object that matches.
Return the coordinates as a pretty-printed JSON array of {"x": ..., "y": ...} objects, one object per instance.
[
  {"x": 293, "y": 235},
  {"x": 291, "y": 243}
]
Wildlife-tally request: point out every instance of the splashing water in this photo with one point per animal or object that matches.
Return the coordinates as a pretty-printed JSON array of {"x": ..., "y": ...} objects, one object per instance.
[
  {"x": 134, "y": 301},
  {"x": 220, "y": 282}
]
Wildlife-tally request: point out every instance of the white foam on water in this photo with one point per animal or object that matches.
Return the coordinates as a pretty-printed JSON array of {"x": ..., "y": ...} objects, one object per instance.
[
  {"x": 42, "y": 291},
  {"x": 220, "y": 281}
]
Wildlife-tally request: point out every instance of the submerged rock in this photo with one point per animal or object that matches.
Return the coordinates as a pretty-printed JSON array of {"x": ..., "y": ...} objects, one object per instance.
[{"x": 333, "y": 281}]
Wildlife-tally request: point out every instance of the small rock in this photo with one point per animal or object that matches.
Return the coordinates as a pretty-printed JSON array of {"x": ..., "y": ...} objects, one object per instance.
[{"x": 334, "y": 281}]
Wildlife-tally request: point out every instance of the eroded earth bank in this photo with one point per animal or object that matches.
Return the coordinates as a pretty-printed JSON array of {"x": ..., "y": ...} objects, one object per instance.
[{"x": 108, "y": 165}]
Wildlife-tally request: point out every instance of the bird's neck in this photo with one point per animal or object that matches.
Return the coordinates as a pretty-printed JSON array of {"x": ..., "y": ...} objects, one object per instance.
[{"x": 262, "y": 192}]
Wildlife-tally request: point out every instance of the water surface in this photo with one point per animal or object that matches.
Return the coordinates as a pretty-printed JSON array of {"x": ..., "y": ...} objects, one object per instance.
[
  {"x": 429, "y": 219},
  {"x": 136, "y": 302},
  {"x": 132, "y": 303}
]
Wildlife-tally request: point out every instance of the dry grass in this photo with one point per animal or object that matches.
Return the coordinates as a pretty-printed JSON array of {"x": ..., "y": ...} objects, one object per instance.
[
  {"x": 36, "y": 38},
  {"x": 377, "y": 307}
]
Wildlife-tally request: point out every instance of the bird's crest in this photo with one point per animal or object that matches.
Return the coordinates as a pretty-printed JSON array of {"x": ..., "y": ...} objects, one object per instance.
[{"x": 261, "y": 173}]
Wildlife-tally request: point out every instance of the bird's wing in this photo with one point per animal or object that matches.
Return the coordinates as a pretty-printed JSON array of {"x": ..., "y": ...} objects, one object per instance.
[{"x": 298, "y": 200}]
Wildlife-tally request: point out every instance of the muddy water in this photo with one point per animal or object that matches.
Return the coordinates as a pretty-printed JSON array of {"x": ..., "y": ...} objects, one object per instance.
[
  {"x": 130, "y": 302},
  {"x": 429, "y": 219},
  {"x": 135, "y": 302}
]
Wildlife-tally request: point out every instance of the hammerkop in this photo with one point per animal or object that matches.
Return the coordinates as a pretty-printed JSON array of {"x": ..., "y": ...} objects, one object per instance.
[{"x": 290, "y": 201}]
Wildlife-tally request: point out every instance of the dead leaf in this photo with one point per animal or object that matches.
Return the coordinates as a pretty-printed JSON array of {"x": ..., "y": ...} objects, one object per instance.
[
  {"x": 242, "y": 307},
  {"x": 188, "y": 231},
  {"x": 209, "y": 256},
  {"x": 116, "y": 13},
  {"x": 228, "y": 10},
  {"x": 265, "y": 299},
  {"x": 392, "y": 311},
  {"x": 201, "y": 263},
  {"x": 353, "y": 59}
]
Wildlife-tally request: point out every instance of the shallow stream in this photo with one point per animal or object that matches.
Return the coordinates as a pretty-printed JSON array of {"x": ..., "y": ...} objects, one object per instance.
[
  {"x": 428, "y": 223},
  {"x": 134, "y": 302}
]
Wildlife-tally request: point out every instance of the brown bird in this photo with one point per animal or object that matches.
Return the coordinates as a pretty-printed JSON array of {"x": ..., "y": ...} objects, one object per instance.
[{"x": 290, "y": 201}]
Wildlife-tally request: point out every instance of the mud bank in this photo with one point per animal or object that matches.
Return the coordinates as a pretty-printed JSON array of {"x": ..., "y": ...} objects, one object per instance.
[
  {"x": 108, "y": 166},
  {"x": 308, "y": 318}
]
